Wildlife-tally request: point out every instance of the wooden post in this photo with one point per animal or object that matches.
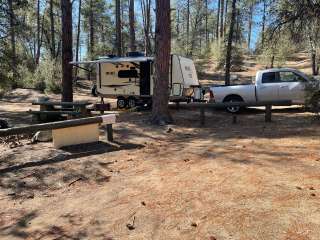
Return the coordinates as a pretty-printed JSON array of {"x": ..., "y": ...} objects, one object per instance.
[
  {"x": 234, "y": 119},
  {"x": 202, "y": 116},
  {"x": 102, "y": 102},
  {"x": 268, "y": 113},
  {"x": 177, "y": 105},
  {"x": 109, "y": 132}
]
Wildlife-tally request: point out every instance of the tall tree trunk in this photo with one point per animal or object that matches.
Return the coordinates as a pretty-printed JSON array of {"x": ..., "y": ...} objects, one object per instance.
[
  {"x": 313, "y": 53},
  {"x": 78, "y": 31},
  {"x": 272, "y": 61},
  {"x": 160, "y": 111},
  {"x": 263, "y": 23},
  {"x": 206, "y": 24},
  {"x": 218, "y": 19},
  {"x": 229, "y": 46},
  {"x": 238, "y": 33},
  {"x": 315, "y": 67},
  {"x": 52, "y": 31},
  {"x": 37, "y": 56},
  {"x": 78, "y": 37},
  {"x": 121, "y": 27},
  {"x": 91, "y": 30},
  {"x": 13, "y": 44},
  {"x": 221, "y": 18},
  {"x": 66, "y": 25},
  {"x": 146, "y": 17},
  {"x": 250, "y": 25},
  {"x": 178, "y": 23},
  {"x": 118, "y": 29},
  {"x": 225, "y": 17},
  {"x": 188, "y": 26},
  {"x": 132, "y": 26}
]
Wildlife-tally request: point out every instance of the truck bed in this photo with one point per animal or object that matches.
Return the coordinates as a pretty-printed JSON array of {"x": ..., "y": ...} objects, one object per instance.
[{"x": 246, "y": 91}]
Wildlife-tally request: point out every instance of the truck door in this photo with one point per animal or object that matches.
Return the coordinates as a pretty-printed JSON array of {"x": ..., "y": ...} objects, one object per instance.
[
  {"x": 145, "y": 78},
  {"x": 292, "y": 87},
  {"x": 268, "y": 89}
]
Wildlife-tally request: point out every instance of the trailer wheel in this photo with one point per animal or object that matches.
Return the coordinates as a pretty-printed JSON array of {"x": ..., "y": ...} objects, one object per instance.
[
  {"x": 121, "y": 103},
  {"x": 233, "y": 98},
  {"x": 132, "y": 102},
  {"x": 3, "y": 124},
  {"x": 94, "y": 91}
]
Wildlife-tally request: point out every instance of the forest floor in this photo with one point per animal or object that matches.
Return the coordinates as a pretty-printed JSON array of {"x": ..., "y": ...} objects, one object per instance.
[{"x": 249, "y": 180}]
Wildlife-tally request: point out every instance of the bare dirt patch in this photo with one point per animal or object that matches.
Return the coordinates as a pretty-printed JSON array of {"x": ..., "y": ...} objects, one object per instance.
[{"x": 246, "y": 181}]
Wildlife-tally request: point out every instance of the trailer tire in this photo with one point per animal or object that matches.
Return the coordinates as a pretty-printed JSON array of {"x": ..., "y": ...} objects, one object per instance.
[
  {"x": 233, "y": 98},
  {"x": 94, "y": 91},
  {"x": 3, "y": 124},
  {"x": 121, "y": 103},
  {"x": 132, "y": 102}
]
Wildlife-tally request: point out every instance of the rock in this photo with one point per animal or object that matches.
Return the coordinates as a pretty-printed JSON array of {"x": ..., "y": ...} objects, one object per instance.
[
  {"x": 42, "y": 136},
  {"x": 313, "y": 194},
  {"x": 212, "y": 238},
  {"x": 143, "y": 203},
  {"x": 193, "y": 224},
  {"x": 169, "y": 130},
  {"x": 312, "y": 188},
  {"x": 130, "y": 227}
]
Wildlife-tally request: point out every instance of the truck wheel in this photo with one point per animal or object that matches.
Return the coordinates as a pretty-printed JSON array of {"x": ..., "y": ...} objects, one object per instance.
[
  {"x": 132, "y": 102},
  {"x": 121, "y": 103},
  {"x": 233, "y": 99}
]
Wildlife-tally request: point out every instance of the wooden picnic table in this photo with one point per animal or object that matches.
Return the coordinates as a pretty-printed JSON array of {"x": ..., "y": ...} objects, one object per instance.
[{"x": 55, "y": 110}]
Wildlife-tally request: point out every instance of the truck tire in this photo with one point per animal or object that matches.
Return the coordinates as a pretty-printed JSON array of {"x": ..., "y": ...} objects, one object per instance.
[
  {"x": 121, "y": 103},
  {"x": 132, "y": 102},
  {"x": 233, "y": 98}
]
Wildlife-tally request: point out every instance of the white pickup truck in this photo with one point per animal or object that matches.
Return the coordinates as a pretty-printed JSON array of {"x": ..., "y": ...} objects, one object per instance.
[{"x": 270, "y": 85}]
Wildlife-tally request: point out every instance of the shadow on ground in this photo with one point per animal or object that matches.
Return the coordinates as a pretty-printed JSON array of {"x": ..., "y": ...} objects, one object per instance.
[{"x": 55, "y": 169}]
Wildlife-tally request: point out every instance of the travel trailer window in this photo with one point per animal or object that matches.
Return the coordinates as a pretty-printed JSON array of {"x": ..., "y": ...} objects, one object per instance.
[{"x": 128, "y": 74}]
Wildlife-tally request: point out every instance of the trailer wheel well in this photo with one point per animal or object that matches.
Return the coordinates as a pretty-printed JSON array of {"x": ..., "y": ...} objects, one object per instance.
[{"x": 233, "y": 97}]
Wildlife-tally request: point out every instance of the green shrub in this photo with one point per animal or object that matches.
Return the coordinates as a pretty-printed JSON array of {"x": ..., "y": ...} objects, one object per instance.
[
  {"x": 219, "y": 51},
  {"x": 279, "y": 51},
  {"x": 46, "y": 77}
]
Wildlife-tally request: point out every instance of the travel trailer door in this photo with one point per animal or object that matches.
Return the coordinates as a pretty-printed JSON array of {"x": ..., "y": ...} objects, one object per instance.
[{"x": 145, "y": 73}]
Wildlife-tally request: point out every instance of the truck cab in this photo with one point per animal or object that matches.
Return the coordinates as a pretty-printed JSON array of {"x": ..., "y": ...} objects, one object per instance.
[
  {"x": 277, "y": 84},
  {"x": 281, "y": 84}
]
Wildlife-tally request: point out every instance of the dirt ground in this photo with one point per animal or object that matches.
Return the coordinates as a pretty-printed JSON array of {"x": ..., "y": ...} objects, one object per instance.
[{"x": 249, "y": 180}]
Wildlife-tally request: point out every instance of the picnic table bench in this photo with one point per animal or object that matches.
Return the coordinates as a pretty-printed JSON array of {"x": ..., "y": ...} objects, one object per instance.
[{"x": 55, "y": 110}]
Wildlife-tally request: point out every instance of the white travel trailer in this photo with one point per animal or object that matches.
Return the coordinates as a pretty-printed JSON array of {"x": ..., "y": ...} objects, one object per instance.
[{"x": 131, "y": 79}]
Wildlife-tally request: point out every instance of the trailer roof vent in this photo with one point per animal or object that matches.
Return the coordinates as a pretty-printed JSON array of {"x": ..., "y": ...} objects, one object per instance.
[{"x": 135, "y": 54}]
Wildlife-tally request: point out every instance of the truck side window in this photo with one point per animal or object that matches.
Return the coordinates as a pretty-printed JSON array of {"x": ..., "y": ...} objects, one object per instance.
[
  {"x": 128, "y": 74},
  {"x": 269, "y": 77},
  {"x": 290, "y": 77}
]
